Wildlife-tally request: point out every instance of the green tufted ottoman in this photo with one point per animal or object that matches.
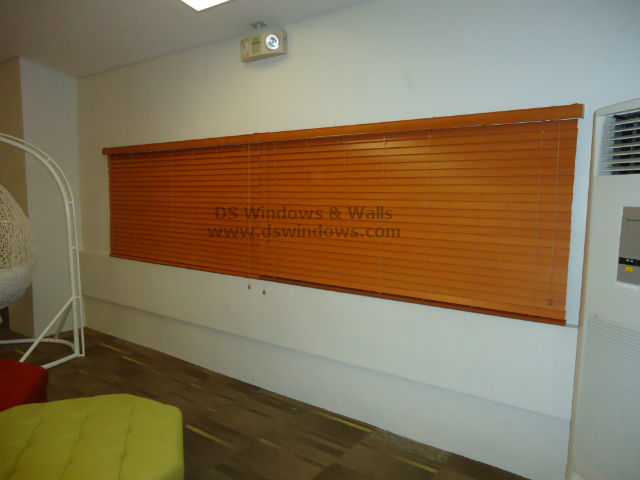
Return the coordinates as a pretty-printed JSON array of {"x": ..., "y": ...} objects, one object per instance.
[{"x": 109, "y": 437}]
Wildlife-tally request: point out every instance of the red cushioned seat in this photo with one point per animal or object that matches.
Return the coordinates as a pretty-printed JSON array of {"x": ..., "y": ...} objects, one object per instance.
[{"x": 21, "y": 383}]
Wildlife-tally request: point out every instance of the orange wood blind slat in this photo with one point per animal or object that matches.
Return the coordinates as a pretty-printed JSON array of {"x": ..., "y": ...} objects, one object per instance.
[{"x": 476, "y": 218}]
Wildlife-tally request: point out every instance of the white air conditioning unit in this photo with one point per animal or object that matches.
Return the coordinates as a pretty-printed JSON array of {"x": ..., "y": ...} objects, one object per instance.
[
  {"x": 617, "y": 139},
  {"x": 605, "y": 439}
]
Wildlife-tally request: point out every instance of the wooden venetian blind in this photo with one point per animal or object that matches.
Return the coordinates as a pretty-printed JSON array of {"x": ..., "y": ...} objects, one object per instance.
[{"x": 470, "y": 212}]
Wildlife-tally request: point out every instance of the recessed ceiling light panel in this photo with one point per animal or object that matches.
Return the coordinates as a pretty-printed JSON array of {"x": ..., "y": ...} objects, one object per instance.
[{"x": 199, "y": 5}]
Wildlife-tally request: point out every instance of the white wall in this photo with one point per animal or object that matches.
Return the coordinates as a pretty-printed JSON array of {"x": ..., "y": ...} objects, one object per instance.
[
  {"x": 496, "y": 433},
  {"x": 400, "y": 366},
  {"x": 49, "y": 114}
]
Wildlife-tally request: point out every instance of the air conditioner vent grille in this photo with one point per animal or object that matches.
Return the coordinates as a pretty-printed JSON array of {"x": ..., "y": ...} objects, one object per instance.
[{"x": 621, "y": 144}]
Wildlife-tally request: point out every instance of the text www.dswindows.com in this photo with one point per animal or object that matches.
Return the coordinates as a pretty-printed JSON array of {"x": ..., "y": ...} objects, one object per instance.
[{"x": 300, "y": 231}]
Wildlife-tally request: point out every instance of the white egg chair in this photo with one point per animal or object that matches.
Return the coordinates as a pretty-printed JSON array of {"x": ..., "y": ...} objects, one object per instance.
[{"x": 17, "y": 260}]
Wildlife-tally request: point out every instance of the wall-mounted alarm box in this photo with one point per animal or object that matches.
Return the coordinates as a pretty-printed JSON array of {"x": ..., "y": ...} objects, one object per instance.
[
  {"x": 268, "y": 43},
  {"x": 629, "y": 252}
]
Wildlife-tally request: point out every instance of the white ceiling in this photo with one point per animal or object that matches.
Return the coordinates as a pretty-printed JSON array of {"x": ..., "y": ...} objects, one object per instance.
[{"x": 81, "y": 37}]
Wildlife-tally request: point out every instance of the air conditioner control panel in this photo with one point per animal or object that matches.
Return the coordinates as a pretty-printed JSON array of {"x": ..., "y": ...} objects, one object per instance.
[{"x": 629, "y": 251}]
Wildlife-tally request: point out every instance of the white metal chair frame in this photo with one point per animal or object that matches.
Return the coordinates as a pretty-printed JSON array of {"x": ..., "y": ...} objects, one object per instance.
[{"x": 74, "y": 304}]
